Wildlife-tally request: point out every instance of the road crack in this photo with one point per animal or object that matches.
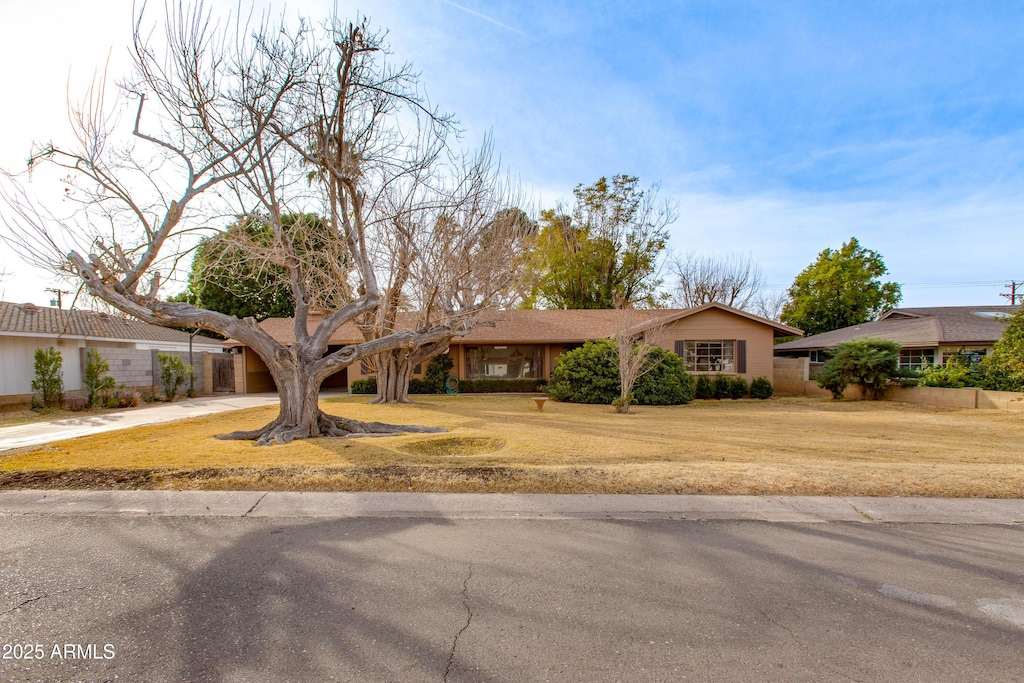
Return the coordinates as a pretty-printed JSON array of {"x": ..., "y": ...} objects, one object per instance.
[
  {"x": 469, "y": 618},
  {"x": 30, "y": 601},
  {"x": 256, "y": 503},
  {"x": 859, "y": 511}
]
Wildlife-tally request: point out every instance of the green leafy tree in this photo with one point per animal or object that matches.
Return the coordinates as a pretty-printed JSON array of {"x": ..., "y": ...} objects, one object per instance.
[
  {"x": 49, "y": 379},
  {"x": 867, "y": 362},
  {"x": 841, "y": 288},
  {"x": 603, "y": 253},
  {"x": 1003, "y": 370},
  {"x": 173, "y": 373},
  {"x": 96, "y": 379},
  {"x": 235, "y": 272}
]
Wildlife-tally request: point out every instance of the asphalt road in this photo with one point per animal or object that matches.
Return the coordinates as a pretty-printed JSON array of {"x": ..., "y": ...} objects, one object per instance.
[{"x": 407, "y": 598}]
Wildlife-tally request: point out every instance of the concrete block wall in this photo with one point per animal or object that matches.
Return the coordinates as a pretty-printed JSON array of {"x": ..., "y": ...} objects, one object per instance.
[{"x": 790, "y": 374}]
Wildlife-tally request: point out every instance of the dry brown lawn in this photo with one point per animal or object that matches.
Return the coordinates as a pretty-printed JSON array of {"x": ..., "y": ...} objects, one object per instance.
[{"x": 802, "y": 446}]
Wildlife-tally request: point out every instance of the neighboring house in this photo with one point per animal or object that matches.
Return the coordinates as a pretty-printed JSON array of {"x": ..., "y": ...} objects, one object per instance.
[
  {"x": 129, "y": 347},
  {"x": 712, "y": 338},
  {"x": 929, "y": 336}
]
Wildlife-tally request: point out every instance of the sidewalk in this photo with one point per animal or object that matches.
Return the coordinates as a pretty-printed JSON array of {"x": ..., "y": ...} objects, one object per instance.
[
  {"x": 790, "y": 509},
  {"x": 37, "y": 433}
]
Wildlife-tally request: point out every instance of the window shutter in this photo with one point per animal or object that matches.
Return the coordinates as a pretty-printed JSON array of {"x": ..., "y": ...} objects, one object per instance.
[
  {"x": 681, "y": 348},
  {"x": 741, "y": 356}
]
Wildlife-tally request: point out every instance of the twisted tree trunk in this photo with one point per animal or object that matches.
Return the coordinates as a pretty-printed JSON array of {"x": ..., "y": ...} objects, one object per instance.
[
  {"x": 394, "y": 370},
  {"x": 300, "y": 416}
]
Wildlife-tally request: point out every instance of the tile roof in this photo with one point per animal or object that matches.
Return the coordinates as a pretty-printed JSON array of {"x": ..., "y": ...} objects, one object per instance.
[
  {"x": 29, "y": 319},
  {"x": 918, "y": 327},
  {"x": 524, "y": 326}
]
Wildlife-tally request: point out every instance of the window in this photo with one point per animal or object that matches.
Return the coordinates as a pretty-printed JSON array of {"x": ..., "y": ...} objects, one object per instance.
[
  {"x": 709, "y": 356},
  {"x": 503, "y": 362},
  {"x": 915, "y": 359},
  {"x": 819, "y": 356}
]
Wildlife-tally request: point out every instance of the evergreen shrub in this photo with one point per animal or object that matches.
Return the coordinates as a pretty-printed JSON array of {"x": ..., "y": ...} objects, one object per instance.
[{"x": 761, "y": 388}]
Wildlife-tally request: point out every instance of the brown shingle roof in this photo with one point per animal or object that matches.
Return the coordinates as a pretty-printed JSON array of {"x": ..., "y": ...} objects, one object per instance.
[
  {"x": 523, "y": 327},
  {"x": 29, "y": 319},
  {"x": 918, "y": 327}
]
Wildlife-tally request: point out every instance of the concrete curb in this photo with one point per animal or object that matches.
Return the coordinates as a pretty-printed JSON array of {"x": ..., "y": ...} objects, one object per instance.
[{"x": 793, "y": 509}]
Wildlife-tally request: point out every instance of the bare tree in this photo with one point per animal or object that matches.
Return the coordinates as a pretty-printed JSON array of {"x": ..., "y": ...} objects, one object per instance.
[
  {"x": 636, "y": 338},
  {"x": 769, "y": 305},
  {"x": 247, "y": 119},
  {"x": 733, "y": 280},
  {"x": 452, "y": 253}
]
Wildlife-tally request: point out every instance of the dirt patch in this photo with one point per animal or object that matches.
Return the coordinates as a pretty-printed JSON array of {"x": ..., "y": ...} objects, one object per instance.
[{"x": 452, "y": 446}]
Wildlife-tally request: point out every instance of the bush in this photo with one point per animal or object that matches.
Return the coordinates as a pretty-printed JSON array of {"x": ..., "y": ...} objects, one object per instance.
[
  {"x": 420, "y": 386},
  {"x": 952, "y": 375},
  {"x": 363, "y": 386},
  {"x": 705, "y": 387},
  {"x": 723, "y": 387},
  {"x": 501, "y": 386},
  {"x": 590, "y": 374},
  {"x": 761, "y": 388},
  {"x": 75, "y": 403},
  {"x": 49, "y": 380},
  {"x": 739, "y": 388},
  {"x": 438, "y": 369},
  {"x": 668, "y": 384},
  {"x": 124, "y": 398},
  {"x": 1003, "y": 370},
  {"x": 96, "y": 379},
  {"x": 867, "y": 362},
  {"x": 173, "y": 373}
]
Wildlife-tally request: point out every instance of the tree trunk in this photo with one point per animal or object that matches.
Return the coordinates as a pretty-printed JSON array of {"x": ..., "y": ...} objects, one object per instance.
[
  {"x": 300, "y": 416},
  {"x": 394, "y": 369}
]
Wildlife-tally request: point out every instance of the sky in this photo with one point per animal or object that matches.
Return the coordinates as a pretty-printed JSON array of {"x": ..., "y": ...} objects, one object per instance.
[{"x": 778, "y": 129}]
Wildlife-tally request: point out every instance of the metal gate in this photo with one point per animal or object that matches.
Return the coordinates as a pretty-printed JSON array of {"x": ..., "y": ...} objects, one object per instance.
[{"x": 224, "y": 373}]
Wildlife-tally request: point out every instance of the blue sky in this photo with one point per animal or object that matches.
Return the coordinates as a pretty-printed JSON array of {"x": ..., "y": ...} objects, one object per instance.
[{"x": 779, "y": 128}]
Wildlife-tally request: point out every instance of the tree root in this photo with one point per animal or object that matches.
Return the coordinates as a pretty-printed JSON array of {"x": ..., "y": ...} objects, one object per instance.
[{"x": 280, "y": 432}]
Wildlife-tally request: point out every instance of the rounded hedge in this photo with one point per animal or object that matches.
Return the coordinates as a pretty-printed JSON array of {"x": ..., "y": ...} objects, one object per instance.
[
  {"x": 590, "y": 374},
  {"x": 761, "y": 388}
]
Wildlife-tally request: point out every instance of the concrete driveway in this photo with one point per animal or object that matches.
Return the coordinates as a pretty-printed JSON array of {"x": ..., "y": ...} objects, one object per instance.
[{"x": 38, "y": 433}]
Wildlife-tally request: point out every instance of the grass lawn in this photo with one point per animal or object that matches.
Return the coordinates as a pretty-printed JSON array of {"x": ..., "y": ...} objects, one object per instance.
[{"x": 803, "y": 446}]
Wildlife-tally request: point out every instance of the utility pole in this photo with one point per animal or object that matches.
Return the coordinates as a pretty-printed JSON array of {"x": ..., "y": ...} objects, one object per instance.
[
  {"x": 1013, "y": 296},
  {"x": 59, "y": 292}
]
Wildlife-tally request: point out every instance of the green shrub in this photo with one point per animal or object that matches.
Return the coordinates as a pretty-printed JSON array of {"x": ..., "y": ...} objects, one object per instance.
[
  {"x": 588, "y": 374},
  {"x": 668, "y": 384},
  {"x": 438, "y": 369},
  {"x": 420, "y": 386},
  {"x": 761, "y": 388},
  {"x": 97, "y": 382},
  {"x": 173, "y": 373},
  {"x": 705, "y": 387},
  {"x": 49, "y": 380},
  {"x": 363, "y": 386},
  {"x": 738, "y": 388},
  {"x": 953, "y": 375},
  {"x": 1003, "y": 370},
  {"x": 723, "y": 387},
  {"x": 501, "y": 386},
  {"x": 867, "y": 362}
]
